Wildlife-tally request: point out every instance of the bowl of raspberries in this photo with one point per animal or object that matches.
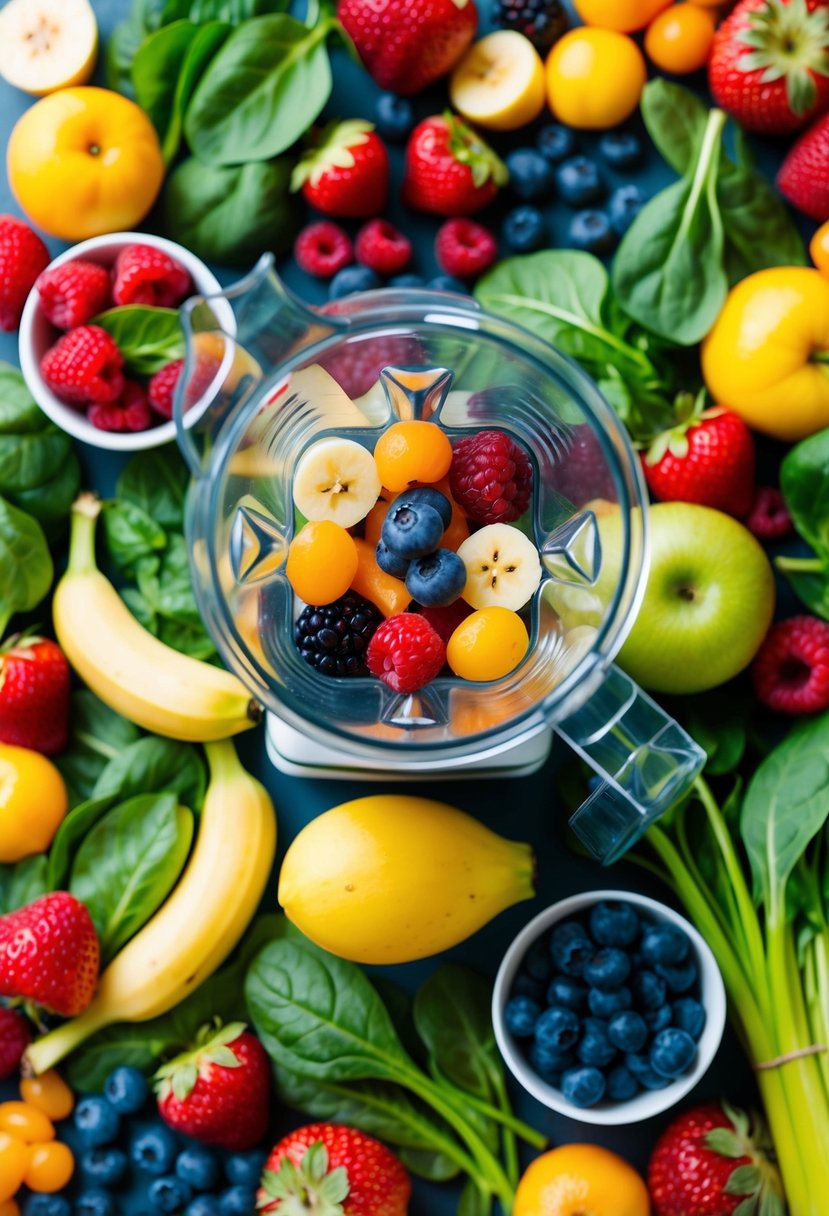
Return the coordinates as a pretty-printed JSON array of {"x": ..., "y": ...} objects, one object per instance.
[
  {"x": 609, "y": 1007},
  {"x": 101, "y": 343}
]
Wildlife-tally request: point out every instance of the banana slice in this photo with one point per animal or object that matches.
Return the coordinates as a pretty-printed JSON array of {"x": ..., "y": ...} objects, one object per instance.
[
  {"x": 502, "y": 567},
  {"x": 47, "y": 45},
  {"x": 499, "y": 83},
  {"x": 336, "y": 479}
]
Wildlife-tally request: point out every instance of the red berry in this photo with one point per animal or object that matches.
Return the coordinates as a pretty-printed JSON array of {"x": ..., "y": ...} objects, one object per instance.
[
  {"x": 162, "y": 387},
  {"x": 491, "y": 477},
  {"x": 84, "y": 365},
  {"x": 131, "y": 412},
  {"x": 408, "y": 44},
  {"x": 22, "y": 257},
  {"x": 49, "y": 954},
  {"x": 582, "y": 473},
  {"x": 347, "y": 173},
  {"x": 74, "y": 293},
  {"x": 803, "y": 178},
  {"x": 34, "y": 695},
  {"x": 146, "y": 275},
  {"x": 791, "y": 668},
  {"x": 357, "y": 366},
  {"x": 445, "y": 620},
  {"x": 769, "y": 517},
  {"x": 708, "y": 460},
  {"x": 15, "y": 1037},
  {"x": 449, "y": 169},
  {"x": 383, "y": 248},
  {"x": 322, "y": 249},
  {"x": 464, "y": 248},
  {"x": 406, "y": 652}
]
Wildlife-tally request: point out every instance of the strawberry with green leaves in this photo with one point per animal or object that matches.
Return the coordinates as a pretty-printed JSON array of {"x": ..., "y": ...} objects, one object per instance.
[
  {"x": 347, "y": 173},
  {"x": 449, "y": 169},
  {"x": 707, "y": 458}
]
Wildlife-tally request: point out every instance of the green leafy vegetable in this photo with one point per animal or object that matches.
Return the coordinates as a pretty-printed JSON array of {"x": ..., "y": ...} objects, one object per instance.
[
  {"x": 156, "y": 481},
  {"x": 148, "y": 337},
  {"x": 22, "y": 883},
  {"x": 720, "y": 725},
  {"x": 131, "y": 534},
  {"x": 25, "y": 562},
  {"x": 80, "y": 820},
  {"x": 98, "y": 735},
  {"x": 153, "y": 764},
  {"x": 39, "y": 471},
  {"x": 804, "y": 482}
]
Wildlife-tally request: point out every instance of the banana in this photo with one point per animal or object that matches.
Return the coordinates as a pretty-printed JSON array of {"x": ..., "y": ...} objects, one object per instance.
[
  {"x": 336, "y": 479},
  {"x": 198, "y": 926},
  {"x": 499, "y": 83},
  {"x": 47, "y": 44},
  {"x": 130, "y": 670},
  {"x": 502, "y": 567}
]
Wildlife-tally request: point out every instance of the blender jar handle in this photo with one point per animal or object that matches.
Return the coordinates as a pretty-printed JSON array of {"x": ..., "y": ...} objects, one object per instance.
[{"x": 645, "y": 760}]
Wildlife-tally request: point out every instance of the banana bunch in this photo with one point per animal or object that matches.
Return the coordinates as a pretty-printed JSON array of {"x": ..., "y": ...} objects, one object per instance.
[
  {"x": 198, "y": 926},
  {"x": 134, "y": 673}
]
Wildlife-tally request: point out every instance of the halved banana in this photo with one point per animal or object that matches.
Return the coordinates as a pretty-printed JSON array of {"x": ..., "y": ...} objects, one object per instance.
[
  {"x": 47, "y": 45},
  {"x": 499, "y": 82},
  {"x": 336, "y": 479},
  {"x": 502, "y": 567}
]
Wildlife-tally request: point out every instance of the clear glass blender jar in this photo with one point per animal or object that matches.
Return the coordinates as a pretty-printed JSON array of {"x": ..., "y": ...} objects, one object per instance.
[{"x": 282, "y": 376}]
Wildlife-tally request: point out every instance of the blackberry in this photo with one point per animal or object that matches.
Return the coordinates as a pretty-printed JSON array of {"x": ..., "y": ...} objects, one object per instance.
[
  {"x": 542, "y": 21},
  {"x": 334, "y": 638}
]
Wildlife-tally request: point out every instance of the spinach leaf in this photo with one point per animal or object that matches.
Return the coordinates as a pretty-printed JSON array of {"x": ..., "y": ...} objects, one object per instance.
[
  {"x": 131, "y": 534},
  {"x": 154, "y": 765},
  {"x": 24, "y": 882},
  {"x": 147, "y": 337},
  {"x": 73, "y": 829},
  {"x": 231, "y": 215},
  {"x": 720, "y": 726},
  {"x": 25, "y": 562},
  {"x": 121, "y": 48},
  {"x": 156, "y": 481},
  {"x": 804, "y": 481},
  {"x": 128, "y": 863},
  {"x": 156, "y": 68},
  {"x": 234, "y": 11},
  {"x": 675, "y": 119},
  {"x": 201, "y": 50},
  {"x": 99, "y": 734},
  {"x": 166, "y": 584},
  {"x": 31, "y": 458},
  {"x": 19, "y": 412},
  {"x": 759, "y": 229},
  {"x": 812, "y": 588},
  {"x": 50, "y": 501},
  {"x": 451, "y": 1012},
  {"x": 189, "y": 639}
]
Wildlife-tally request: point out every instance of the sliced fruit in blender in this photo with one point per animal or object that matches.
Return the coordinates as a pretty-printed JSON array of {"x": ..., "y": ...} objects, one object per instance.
[
  {"x": 322, "y": 561},
  {"x": 488, "y": 644},
  {"x": 337, "y": 480},
  {"x": 502, "y": 567}
]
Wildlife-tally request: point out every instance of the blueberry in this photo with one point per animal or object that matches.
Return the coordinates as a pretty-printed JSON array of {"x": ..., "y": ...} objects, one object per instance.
[
  {"x": 567, "y": 992},
  {"x": 531, "y": 176},
  {"x": 614, "y": 923},
  {"x": 555, "y": 142},
  {"x": 664, "y": 944},
  {"x": 97, "y": 1122},
  {"x": 521, "y": 1015},
  {"x": 646, "y": 1076},
  {"x": 104, "y": 1166},
  {"x": 570, "y": 947},
  {"x": 153, "y": 1149},
  {"x": 389, "y": 561},
  {"x": 245, "y": 1169},
  {"x": 557, "y": 1029},
  {"x": 407, "y": 280},
  {"x": 199, "y": 1168},
  {"x": 689, "y": 1015},
  {"x": 658, "y": 1019},
  {"x": 432, "y": 498},
  {"x": 393, "y": 116},
  {"x": 169, "y": 1194},
  {"x": 595, "y": 1047},
  {"x": 525, "y": 985},
  {"x": 625, "y": 205},
  {"x": 437, "y": 579},
  {"x": 237, "y": 1201},
  {"x": 448, "y": 282},
  {"x": 606, "y": 1004},
  {"x": 628, "y": 1031},
  {"x": 620, "y": 148},
  {"x": 649, "y": 989},
  {"x": 94, "y": 1203},
  {"x": 350, "y": 279},
  {"x": 537, "y": 963},
  {"x": 126, "y": 1089},
  {"x": 591, "y": 230},
  {"x": 203, "y": 1205},
  {"x": 549, "y": 1063},
  {"x": 608, "y": 968},
  {"x": 578, "y": 182},
  {"x": 583, "y": 1086},
  {"x": 672, "y": 1052},
  {"x": 523, "y": 229},
  {"x": 679, "y": 978},
  {"x": 47, "y": 1205},
  {"x": 622, "y": 1085},
  {"x": 412, "y": 530}
]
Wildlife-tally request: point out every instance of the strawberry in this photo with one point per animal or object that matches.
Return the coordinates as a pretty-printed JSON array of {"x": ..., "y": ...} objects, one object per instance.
[
  {"x": 330, "y": 1170},
  {"x": 804, "y": 174},
  {"x": 22, "y": 257},
  {"x": 218, "y": 1093},
  {"x": 34, "y": 694},
  {"x": 49, "y": 954},
  {"x": 708, "y": 459},
  {"x": 769, "y": 64},
  {"x": 449, "y": 169},
  {"x": 408, "y": 44},
  {"x": 347, "y": 172},
  {"x": 711, "y": 1161}
]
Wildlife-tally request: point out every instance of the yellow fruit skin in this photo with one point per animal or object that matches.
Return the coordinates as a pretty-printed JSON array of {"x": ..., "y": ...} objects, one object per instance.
[
  {"x": 579, "y": 1178},
  {"x": 595, "y": 78},
  {"x": 33, "y": 802},
  {"x": 389, "y": 879}
]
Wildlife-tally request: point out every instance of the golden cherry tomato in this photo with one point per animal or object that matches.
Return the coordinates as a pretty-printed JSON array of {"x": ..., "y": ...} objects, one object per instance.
[
  {"x": 580, "y": 1178},
  {"x": 410, "y": 452},
  {"x": 48, "y": 1093},
  {"x": 622, "y": 15},
  {"x": 679, "y": 40},
  {"x": 322, "y": 561},
  {"x": 488, "y": 644},
  {"x": 819, "y": 249},
  {"x": 14, "y": 1157},
  {"x": 49, "y": 1168},
  {"x": 33, "y": 801},
  {"x": 594, "y": 78},
  {"x": 84, "y": 161},
  {"x": 25, "y": 1122}
]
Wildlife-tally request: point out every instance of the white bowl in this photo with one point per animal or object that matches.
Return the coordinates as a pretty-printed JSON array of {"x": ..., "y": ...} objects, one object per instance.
[
  {"x": 37, "y": 334},
  {"x": 646, "y": 1103}
]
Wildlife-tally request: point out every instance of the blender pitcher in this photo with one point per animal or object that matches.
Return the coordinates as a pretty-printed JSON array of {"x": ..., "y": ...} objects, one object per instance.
[{"x": 285, "y": 375}]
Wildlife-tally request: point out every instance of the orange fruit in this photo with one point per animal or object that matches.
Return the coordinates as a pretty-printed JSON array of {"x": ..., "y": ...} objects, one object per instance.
[
  {"x": 595, "y": 78},
  {"x": 84, "y": 161},
  {"x": 50, "y": 1166},
  {"x": 9, "y": 1208},
  {"x": 408, "y": 452},
  {"x": 33, "y": 801},
  {"x": 14, "y": 1157},
  {"x": 322, "y": 561},
  {"x": 819, "y": 249},
  {"x": 48, "y": 1093},
  {"x": 580, "y": 1178},
  {"x": 488, "y": 644},
  {"x": 679, "y": 40},
  {"x": 25, "y": 1122},
  {"x": 622, "y": 15},
  {"x": 387, "y": 593}
]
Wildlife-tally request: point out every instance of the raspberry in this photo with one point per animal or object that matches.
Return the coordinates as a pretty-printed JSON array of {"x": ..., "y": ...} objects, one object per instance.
[
  {"x": 406, "y": 652},
  {"x": 357, "y": 365},
  {"x": 84, "y": 365},
  {"x": 162, "y": 388},
  {"x": 334, "y": 639},
  {"x": 322, "y": 249},
  {"x": 381, "y": 247},
  {"x": 15, "y": 1037},
  {"x": 491, "y": 478},
  {"x": 791, "y": 669},
  {"x": 581, "y": 473},
  {"x": 74, "y": 293},
  {"x": 464, "y": 248},
  {"x": 130, "y": 413},
  {"x": 769, "y": 517},
  {"x": 22, "y": 257},
  {"x": 146, "y": 275}
]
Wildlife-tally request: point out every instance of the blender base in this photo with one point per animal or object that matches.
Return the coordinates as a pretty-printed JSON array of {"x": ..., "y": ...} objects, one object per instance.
[{"x": 295, "y": 754}]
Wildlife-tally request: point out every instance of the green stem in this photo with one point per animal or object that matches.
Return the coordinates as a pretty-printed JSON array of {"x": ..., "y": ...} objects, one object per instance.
[
  {"x": 819, "y": 356},
  {"x": 498, "y": 1114},
  {"x": 800, "y": 565},
  {"x": 703, "y": 181},
  {"x": 508, "y": 1141}
]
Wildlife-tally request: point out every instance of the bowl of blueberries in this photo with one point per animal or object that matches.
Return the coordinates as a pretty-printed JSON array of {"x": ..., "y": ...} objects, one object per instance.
[{"x": 608, "y": 1007}]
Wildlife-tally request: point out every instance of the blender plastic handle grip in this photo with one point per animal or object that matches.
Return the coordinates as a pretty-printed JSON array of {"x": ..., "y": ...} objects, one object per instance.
[{"x": 645, "y": 760}]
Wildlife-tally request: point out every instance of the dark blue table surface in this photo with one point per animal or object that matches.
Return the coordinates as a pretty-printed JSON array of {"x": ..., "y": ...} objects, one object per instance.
[{"x": 520, "y": 808}]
